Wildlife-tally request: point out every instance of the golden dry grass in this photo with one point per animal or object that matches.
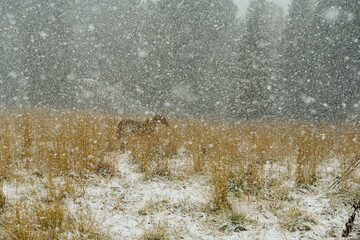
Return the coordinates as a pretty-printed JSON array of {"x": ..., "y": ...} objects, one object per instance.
[
  {"x": 238, "y": 152},
  {"x": 56, "y": 142},
  {"x": 75, "y": 142},
  {"x": 44, "y": 221}
]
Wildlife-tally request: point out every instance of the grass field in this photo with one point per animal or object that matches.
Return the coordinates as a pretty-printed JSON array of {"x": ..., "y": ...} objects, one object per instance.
[{"x": 49, "y": 158}]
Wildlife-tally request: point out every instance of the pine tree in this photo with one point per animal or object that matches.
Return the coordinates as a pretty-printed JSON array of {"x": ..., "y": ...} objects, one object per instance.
[
  {"x": 108, "y": 53},
  {"x": 321, "y": 59},
  {"x": 299, "y": 67},
  {"x": 46, "y": 40},
  {"x": 11, "y": 69},
  {"x": 257, "y": 54},
  {"x": 181, "y": 40},
  {"x": 338, "y": 59}
]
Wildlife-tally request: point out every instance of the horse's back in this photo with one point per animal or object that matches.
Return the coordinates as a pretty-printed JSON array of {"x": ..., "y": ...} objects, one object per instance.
[{"x": 133, "y": 127}]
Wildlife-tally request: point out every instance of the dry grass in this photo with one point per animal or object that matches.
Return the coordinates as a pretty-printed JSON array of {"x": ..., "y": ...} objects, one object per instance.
[
  {"x": 33, "y": 215},
  {"x": 56, "y": 142},
  {"x": 43, "y": 221},
  {"x": 235, "y": 155},
  {"x": 61, "y": 149},
  {"x": 2, "y": 199},
  {"x": 159, "y": 231},
  {"x": 295, "y": 219}
]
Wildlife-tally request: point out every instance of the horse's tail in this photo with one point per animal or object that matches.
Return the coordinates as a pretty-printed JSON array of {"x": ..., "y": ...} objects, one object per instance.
[{"x": 119, "y": 135}]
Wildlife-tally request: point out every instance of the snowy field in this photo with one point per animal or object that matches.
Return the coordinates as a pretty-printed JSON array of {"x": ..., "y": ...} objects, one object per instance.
[
  {"x": 131, "y": 205},
  {"x": 169, "y": 119}
]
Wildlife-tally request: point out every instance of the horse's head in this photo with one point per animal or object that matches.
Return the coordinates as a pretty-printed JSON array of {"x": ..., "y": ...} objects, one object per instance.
[{"x": 161, "y": 119}]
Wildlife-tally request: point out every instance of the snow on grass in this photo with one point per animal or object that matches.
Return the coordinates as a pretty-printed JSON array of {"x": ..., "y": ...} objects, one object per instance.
[{"x": 132, "y": 205}]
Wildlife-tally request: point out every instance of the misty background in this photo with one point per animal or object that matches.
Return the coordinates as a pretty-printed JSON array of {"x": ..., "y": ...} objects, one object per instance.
[
  {"x": 244, "y": 4},
  {"x": 206, "y": 58}
]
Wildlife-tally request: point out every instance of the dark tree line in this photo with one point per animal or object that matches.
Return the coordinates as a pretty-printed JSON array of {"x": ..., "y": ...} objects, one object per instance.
[
  {"x": 183, "y": 57},
  {"x": 322, "y": 58}
]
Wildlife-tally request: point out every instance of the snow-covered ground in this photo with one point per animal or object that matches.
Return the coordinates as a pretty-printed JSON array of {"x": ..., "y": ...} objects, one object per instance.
[{"x": 131, "y": 205}]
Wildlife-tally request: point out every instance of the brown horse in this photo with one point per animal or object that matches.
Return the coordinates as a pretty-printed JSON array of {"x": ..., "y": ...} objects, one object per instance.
[{"x": 139, "y": 128}]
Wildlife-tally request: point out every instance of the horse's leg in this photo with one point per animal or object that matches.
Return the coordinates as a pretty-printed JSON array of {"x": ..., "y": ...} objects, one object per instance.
[
  {"x": 122, "y": 146},
  {"x": 121, "y": 138},
  {"x": 119, "y": 130}
]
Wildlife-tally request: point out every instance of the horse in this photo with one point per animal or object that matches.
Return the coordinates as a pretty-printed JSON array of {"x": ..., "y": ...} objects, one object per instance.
[{"x": 128, "y": 127}]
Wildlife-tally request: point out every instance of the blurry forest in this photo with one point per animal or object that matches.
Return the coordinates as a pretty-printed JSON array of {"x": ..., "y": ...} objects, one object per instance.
[{"x": 183, "y": 57}]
